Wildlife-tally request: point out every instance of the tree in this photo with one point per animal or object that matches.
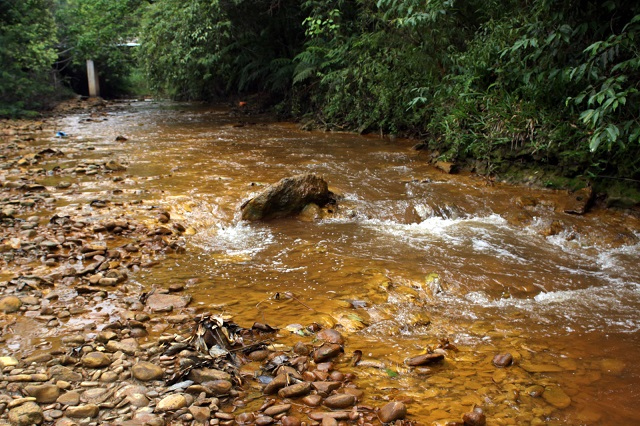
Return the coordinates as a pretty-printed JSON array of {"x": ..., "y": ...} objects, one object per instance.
[{"x": 27, "y": 37}]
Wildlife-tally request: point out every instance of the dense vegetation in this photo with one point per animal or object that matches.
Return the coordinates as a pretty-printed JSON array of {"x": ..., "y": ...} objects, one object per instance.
[{"x": 496, "y": 82}]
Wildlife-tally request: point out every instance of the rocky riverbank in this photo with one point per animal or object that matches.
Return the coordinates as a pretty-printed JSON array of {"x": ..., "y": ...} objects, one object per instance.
[{"x": 110, "y": 351}]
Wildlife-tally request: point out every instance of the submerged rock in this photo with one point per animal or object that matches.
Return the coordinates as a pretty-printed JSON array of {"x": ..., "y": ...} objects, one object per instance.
[{"x": 287, "y": 197}]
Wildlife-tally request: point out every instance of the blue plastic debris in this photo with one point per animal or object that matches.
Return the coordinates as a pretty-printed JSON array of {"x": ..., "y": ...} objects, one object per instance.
[{"x": 61, "y": 134}]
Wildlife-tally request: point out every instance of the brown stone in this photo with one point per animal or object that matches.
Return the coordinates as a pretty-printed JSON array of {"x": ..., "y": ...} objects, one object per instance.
[
  {"x": 312, "y": 400},
  {"x": 286, "y": 197},
  {"x": 96, "y": 360},
  {"x": 200, "y": 414},
  {"x": 424, "y": 359},
  {"x": 326, "y": 387},
  {"x": 503, "y": 360},
  {"x": 340, "y": 401},
  {"x": 290, "y": 421},
  {"x": 392, "y": 411},
  {"x": 44, "y": 394},
  {"x": 474, "y": 418},
  {"x": 330, "y": 335},
  {"x": 201, "y": 375},
  {"x": 276, "y": 384},
  {"x": 82, "y": 411},
  {"x": 146, "y": 371},
  {"x": 274, "y": 410},
  {"x": 10, "y": 304},
  {"x": 294, "y": 391},
  {"x": 326, "y": 352},
  {"x": 26, "y": 414}
]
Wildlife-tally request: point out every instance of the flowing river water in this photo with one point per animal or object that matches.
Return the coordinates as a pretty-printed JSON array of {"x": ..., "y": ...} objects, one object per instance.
[{"x": 411, "y": 258}]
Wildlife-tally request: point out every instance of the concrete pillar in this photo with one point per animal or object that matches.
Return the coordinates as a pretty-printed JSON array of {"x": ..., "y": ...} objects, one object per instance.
[{"x": 92, "y": 76}]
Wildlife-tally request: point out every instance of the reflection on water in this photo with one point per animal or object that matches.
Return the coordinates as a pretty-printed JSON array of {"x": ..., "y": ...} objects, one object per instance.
[{"x": 412, "y": 256}]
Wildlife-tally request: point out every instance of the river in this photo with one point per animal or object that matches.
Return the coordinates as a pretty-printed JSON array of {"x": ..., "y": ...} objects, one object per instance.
[{"x": 411, "y": 258}]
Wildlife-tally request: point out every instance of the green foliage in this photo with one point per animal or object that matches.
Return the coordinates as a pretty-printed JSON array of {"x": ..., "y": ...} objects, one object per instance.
[
  {"x": 27, "y": 37},
  {"x": 98, "y": 30}
]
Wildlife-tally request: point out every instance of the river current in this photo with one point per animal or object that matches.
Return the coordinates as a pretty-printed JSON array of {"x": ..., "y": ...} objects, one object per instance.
[{"x": 411, "y": 258}]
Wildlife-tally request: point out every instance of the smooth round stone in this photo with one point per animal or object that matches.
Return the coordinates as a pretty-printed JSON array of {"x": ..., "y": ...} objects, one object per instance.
[
  {"x": 503, "y": 360},
  {"x": 138, "y": 400},
  {"x": 245, "y": 418},
  {"x": 340, "y": 401},
  {"x": 330, "y": 335},
  {"x": 312, "y": 400},
  {"x": 172, "y": 403},
  {"x": 96, "y": 360},
  {"x": 392, "y": 411},
  {"x": 70, "y": 398},
  {"x": 146, "y": 371},
  {"x": 290, "y": 421},
  {"x": 474, "y": 418},
  {"x": 10, "y": 304}
]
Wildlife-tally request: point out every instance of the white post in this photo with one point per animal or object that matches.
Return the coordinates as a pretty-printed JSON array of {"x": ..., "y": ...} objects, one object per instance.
[{"x": 92, "y": 76}]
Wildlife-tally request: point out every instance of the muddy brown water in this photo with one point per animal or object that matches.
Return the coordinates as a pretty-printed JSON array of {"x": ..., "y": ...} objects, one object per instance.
[{"x": 411, "y": 257}]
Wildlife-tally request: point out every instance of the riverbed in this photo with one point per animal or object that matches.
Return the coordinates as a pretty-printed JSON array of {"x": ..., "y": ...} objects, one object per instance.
[{"x": 411, "y": 259}]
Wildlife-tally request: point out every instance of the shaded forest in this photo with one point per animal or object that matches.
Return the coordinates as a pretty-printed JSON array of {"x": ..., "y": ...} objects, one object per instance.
[{"x": 500, "y": 85}]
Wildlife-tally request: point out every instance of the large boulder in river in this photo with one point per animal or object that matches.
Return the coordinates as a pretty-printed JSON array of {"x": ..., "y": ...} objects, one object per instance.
[{"x": 287, "y": 197}]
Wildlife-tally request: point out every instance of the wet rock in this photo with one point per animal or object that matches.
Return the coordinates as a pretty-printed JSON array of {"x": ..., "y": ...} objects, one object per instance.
[
  {"x": 502, "y": 360},
  {"x": 294, "y": 391},
  {"x": 44, "y": 394},
  {"x": 474, "y": 418},
  {"x": 26, "y": 414},
  {"x": 340, "y": 401},
  {"x": 326, "y": 387},
  {"x": 274, "y": 410},
  {"x": 218, "y": 387},
  {"x": 264, "y": 420},
  {"x": 10, "y": 304},
  {"x": 96, "y": 360},
  {"x": 330, "y": 335},
  {"x": 172, "y": 403},
  {"x": 146, "y": 371},
  {"x": 82, "y": 411},
  {"x": 326, "y": 352},
  {"x": 579, "y": 201},
  {"x": 424, "y": 359},
  {"x": 312, "y": 400},
  {"x": 290, "y": 421},
  {"x": 555, "y": 396},
  {"x": 329, "y": 421},
  {"x": 392, "y": 411},
  {"x": 286, "y": 197}
]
